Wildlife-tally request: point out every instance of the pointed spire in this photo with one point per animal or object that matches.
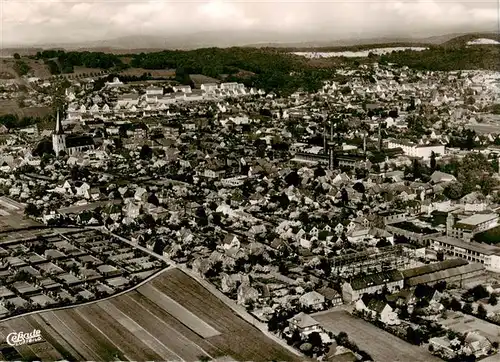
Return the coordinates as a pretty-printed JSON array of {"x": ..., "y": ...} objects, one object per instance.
[{"x": 59, "y": 128}]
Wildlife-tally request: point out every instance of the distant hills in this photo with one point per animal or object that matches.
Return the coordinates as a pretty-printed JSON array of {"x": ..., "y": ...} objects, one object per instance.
[{"x": 147, "y": 43}]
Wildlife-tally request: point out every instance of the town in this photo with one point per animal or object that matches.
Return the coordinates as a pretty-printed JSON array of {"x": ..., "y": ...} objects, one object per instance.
[{"x": 357, "y": 222}]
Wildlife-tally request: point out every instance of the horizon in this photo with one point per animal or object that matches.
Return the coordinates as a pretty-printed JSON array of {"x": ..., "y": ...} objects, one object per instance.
[{"x": 68, "y": 22}]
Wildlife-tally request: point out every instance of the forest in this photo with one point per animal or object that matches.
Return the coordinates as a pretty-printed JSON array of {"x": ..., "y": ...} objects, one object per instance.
[{"x": 270, "y": 69}]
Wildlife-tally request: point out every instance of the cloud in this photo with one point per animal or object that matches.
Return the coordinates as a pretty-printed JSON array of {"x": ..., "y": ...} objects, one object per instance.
[{"x": 50, "y": 21}]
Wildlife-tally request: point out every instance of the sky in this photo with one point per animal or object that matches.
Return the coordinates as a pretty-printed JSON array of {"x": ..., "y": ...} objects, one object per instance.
[{"x": 31, "y": 22}]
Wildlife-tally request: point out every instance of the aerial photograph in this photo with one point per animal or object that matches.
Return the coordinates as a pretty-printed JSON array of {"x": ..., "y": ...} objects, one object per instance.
[{"x": 250, "y": 180}]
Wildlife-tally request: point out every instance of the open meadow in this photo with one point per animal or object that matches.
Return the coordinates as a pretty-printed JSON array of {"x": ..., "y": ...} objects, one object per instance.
[{"x": 381, "y": 345}]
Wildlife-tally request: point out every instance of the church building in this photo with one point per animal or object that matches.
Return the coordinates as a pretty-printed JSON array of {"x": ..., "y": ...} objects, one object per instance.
[{"x": 70, "y": 144}]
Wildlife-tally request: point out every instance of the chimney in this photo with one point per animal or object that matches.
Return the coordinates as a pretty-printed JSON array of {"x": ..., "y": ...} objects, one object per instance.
[
  {"x": 325, "y": 150},
  {"x": 450, "y": 222},
  {"x": 379, "y": 137}
]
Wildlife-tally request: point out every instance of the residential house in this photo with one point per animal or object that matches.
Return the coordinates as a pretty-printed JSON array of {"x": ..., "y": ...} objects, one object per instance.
[
  {"x": 231, "y": 241},
  {"x": 313, "y": 300},
  {"x": 477, "y": 344},
  {"x": 332, "y": 297},
  {"x": 379, "y": 309},
  {"x": 247, "y": 294},
  {"x": 304, "y": 323}
]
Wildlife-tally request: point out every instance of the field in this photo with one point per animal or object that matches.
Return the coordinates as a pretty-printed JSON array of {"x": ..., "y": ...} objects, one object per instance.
[
  {"x": 12, "y": 215},
  {"x": 199, "y": 79},
  {"x": 381, "y": 345},
  {"x": 160, "y": 73},
  {"x": 10, "y": 106},
  {"x": 170, "y": 318}
]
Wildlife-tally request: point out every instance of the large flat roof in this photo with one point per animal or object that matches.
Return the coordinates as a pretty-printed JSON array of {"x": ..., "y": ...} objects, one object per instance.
[{"x": 478, "y": 219}]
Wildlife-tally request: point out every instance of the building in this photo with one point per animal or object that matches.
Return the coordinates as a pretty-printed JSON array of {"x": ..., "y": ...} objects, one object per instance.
[
  {"x": 115, "y": 83},
  {"x": 232, "y": 86},
  {"x": 313, "y": 300},
  {"x": 342, "y": 160},
  {"x": 387, "y": 258},
  {"x": 451, "y": 275},
  {"x": 332, "y": 297},
  {"x": 468, "y": 227},
  {"x": 234, "y": 181},
  {"x": 373, "y": 283},
  {"x": 421, "y": 235},
  {"x": 395, "y": 216},
  {"x": 376, "y": 308},
  {"x": 209, "y": 87},
  {"x": 304, "y": 323},
  {"x": 154, "y": 91},
  {"x": 70, "y": 144},
  {"x": 415, "y": 150},
  {"x": 485, "y": 254},
  {"x": 128, "y": 100},
  {"x": 433, "y": 267},
  {"x": 182, "y": 88}
]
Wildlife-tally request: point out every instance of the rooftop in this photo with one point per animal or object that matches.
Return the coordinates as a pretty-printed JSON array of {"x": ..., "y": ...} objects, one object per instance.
[
  {"x": 478, "y": 219},
  {"x": 434, "y": 267}
]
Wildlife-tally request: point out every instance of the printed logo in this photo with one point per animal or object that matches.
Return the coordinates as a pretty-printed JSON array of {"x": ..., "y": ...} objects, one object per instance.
[{"x": 20, "y": 338}]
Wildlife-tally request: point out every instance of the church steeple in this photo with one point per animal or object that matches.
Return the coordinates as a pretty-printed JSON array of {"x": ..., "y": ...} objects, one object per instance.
[
  {"x": 59, "y": 128},
  {"x": 58, "y": 137}
]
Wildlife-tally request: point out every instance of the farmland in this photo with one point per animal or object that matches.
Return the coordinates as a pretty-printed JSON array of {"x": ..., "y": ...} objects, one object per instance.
[
  {"x": 170, "y": 318},
  {"x": 381, "y": 345}
]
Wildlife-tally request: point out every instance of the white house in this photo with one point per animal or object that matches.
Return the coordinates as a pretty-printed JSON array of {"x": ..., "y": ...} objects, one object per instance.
[
  {"x": 182, "y": 88},
  {"x": 378, "y": 309},
  {"x": 417, "y": 150},
  {"x": 209, "y": 87},
  {"x": 304, "y": 323},
  {"x": 154, "y": 91},
  {"x": 231, "y": 241},
  {"x": 312, "y": 300}
]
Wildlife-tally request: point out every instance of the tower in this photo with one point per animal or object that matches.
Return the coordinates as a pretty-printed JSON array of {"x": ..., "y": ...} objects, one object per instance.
[
  {"x": 450, "y": 222},
  {"x": 58, "y": 137}
]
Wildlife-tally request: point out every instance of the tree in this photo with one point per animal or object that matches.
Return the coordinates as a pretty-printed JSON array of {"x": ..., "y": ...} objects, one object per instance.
[
  {"x": 475, "y": 169},
  {"x": 293, "y": 179},
  {"x": 17, "y": 56},
  {"x": 433, "y": 161},
  {"x": 344, "y": 196},
  {"x": 319, "y": 172},
  {"x": 383, "y": 243},
  {"x": 441, "y": 286},
  {"x": 493, "y": 299},
  {"x": 342, "y": 339},
  {"x": 455, "y": 304},
  {"x": 453, "y": 191},
  {"x": 476, "y": 293},
  {"x": 467, "y": 308},
  {"x": 481, "y": 311},
  {"x": 359, "y": 187},
  {"x": 146, "y": 153},
  {"x": 315, "y": 339},
  {"x": 413, "y": 336},
  {"x": 416, "y": 170},
  {"x": 32, "y": 210}
]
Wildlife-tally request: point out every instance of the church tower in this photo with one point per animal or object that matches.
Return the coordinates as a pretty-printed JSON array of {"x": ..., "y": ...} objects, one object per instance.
[{"x": 58, "y": 137}]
